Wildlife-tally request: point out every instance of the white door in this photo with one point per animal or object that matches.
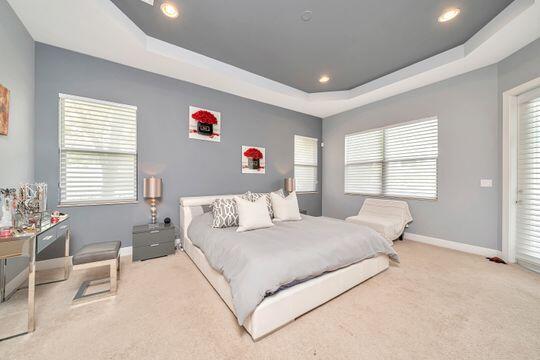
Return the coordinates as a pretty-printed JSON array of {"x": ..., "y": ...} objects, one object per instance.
[{"x": 527, "y": 245}]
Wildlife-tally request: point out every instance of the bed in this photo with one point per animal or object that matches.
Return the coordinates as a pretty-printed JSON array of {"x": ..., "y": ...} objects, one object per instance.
[{"x": 291, "y": 299}]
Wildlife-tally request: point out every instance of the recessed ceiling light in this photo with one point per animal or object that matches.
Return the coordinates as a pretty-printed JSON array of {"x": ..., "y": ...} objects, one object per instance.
[
  {"x": 306, "y": 15},
  {"x": 449, "y": 14},
  {"x": 324, "y": 79},
  {"x": 169, "y": 10}
]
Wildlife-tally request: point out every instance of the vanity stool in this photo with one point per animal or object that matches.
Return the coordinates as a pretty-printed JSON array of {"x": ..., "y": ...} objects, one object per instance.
[{"x": 95, "y": 255}]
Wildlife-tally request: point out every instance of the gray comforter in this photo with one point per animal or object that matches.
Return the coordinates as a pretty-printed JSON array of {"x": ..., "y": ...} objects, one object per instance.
[{"x": 259, "y": 262}]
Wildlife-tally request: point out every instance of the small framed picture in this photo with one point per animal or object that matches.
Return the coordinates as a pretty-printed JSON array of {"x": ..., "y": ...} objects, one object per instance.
[
  {"x": 253, "y": 160},
  {"x": 4, "y": 110},
  {"x": 204, "y": 124}
]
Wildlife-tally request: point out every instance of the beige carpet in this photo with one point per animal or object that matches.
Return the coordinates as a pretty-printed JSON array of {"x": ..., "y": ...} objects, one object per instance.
[{"x": 436, "y": 304}]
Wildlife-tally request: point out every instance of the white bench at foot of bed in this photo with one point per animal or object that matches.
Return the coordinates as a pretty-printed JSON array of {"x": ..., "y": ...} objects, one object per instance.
[{"x": 283, "y": 307}]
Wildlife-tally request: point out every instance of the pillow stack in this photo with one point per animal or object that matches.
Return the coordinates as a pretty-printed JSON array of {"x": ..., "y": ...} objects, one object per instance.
[{"x": 255, "y": 210}]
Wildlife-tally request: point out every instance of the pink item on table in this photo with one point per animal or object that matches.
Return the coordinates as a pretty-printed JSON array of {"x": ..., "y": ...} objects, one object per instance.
[{"x": 5, "y": 232}]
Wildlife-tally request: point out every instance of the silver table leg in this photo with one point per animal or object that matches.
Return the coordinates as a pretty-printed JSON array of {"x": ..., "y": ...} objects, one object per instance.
[
  {"x": 66, "y": 254},
  {"x": 3, "y": 263},
  {"x": 32, "y": 286}
]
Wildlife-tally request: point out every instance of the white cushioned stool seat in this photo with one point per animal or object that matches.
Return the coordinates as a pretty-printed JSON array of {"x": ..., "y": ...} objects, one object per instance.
[{"x": 387, "y": 217}]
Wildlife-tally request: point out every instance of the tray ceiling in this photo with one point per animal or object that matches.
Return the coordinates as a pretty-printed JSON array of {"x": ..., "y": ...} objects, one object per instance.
[
  {"x": 99, "y": 28},
  {"x": 353, "y": 42}
]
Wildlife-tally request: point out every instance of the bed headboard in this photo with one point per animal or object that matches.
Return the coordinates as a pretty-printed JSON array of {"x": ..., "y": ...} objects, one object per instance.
[{"x": 192, "y": 206}]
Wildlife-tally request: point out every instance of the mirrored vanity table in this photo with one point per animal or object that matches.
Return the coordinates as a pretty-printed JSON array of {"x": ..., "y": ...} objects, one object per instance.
[{"x": 30, "y": 244}]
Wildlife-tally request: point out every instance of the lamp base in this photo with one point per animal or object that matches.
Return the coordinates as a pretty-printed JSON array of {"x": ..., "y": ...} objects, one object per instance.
[{"x": 153, "y": 211}]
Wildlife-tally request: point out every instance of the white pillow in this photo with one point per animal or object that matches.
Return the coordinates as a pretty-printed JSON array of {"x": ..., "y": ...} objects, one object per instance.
[
  {"x": 252, "y": 215},
  {"x": 285, "y": 208}
]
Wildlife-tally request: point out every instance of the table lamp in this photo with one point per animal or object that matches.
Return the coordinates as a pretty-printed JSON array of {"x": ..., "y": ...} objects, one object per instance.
[
  {"x": 152, "y": 190},
  {"x": 289, "y": 185}
]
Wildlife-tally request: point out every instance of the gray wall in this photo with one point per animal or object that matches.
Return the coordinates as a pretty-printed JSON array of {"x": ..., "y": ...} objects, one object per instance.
[
  {"x": 469, "y": 108},
  {"x": 188, "y": 167},
  {"x": 17, "y": 74},
  {"x": 468, "y": 151},
  {"x": 519, "y": 67}
]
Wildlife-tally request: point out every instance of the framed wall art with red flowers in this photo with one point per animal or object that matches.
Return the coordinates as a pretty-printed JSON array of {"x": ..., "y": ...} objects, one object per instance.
[
  {"x": 204, "y": 124},
  {"x": 253, "y": 160},
  {"x": 4, "y": 110}
]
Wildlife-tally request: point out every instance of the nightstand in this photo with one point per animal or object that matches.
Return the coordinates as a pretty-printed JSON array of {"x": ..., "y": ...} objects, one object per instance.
[{"x": 152, "y": 241}]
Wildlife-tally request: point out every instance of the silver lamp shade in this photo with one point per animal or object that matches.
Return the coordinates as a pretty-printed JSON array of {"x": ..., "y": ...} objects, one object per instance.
[
  {"x": 289, "y": 185},
  {"x": 152, "y": 190}
]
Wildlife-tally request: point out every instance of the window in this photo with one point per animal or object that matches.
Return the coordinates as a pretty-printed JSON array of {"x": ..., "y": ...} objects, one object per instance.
[
  {"x": 397, "y": 161},
  {"x": 305, "y": 163},
  {"x": 98, "y": 152}
]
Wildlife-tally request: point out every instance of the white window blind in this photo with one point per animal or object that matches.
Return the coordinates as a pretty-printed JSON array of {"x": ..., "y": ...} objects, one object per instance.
[
  {"x": 397, "y": 161},
  {"x": 305, "y": 163},
  {"x": 98, "y": 151},
  {"x": 363, "y": 163},
  {"x": 528, "y": 209}
]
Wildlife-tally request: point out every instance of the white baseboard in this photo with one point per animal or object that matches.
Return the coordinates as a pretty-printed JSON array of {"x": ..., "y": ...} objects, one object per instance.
[
  {"x": 471, "y": 249},
  {"x": 126, "y": 251}
]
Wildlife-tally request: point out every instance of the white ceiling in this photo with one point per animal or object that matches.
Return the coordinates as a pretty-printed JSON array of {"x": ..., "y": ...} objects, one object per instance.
[{"x": 98, "y": 28}]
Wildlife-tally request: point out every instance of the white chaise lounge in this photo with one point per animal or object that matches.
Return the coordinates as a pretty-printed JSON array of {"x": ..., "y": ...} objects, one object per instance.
[{"x": 388, "y": 217}]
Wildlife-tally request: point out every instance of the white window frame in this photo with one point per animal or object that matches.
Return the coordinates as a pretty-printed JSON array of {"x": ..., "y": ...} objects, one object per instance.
[
  {"x": 60, "y": 150},
  {"x": 315, "y": 166},
  {"x": 382, "y": 195}
]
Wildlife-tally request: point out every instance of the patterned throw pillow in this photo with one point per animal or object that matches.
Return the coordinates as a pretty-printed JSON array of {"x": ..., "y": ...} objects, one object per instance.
[
  {"x": 225, "y": 212},
  {"x": 256, "y": 196}
]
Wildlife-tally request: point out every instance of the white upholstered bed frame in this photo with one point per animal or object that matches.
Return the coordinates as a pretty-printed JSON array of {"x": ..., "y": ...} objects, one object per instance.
[{"x": 285, "y": 306}]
